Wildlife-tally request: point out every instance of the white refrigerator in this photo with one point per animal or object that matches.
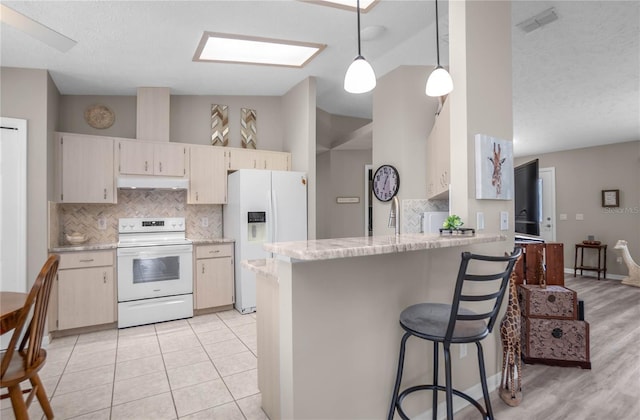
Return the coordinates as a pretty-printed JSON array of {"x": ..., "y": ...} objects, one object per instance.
[{"x": 262, "y": 207}]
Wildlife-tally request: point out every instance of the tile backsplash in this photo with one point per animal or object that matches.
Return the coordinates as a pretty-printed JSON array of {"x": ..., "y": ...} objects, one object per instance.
[
  {"x": 68, "y": 218},
  {"x": 411, "y": 213}
]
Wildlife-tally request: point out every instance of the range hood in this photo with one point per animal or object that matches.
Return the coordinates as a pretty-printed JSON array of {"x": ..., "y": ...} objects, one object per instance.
[{"x": 152, "y": 183}]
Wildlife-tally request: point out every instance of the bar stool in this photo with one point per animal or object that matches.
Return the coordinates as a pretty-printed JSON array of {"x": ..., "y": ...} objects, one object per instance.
[{"x": 447, "y": 324}]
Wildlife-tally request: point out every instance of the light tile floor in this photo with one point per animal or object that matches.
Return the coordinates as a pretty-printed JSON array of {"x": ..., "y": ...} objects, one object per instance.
[{"x": 199, "y": 368}]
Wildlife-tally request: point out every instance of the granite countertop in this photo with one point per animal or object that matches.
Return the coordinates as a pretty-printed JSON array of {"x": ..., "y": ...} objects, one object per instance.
[
  {"x": 83, "y": 247},
  {"x": 326, "y": 249},
  {"x": 266, "y": 267}
]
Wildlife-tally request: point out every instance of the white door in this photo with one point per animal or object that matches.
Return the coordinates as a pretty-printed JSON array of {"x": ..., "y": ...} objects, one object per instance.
[
  {"x": 548, "y": 214},
  {"x": 13, "y": 205}
]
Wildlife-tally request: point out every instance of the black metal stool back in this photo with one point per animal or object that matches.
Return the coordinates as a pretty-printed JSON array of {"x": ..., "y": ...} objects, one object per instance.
[{"x": 458, "y": 324}]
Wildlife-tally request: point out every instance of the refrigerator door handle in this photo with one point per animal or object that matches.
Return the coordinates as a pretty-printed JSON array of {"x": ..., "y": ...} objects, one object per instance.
[
  {"x": 270, "y": 230},
  {"x": 274, "y": 198}
]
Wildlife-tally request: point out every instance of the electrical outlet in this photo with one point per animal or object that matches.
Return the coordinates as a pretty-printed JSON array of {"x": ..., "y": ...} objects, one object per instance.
[
  {"x": 563, "y": 216},
  {"x": 463, "y": 350},
  {"x": 479, "y": 220},
  {"x": 504, "y": 220},
  {"x": 579, "y": 216},
  {"x": 204, "y": 222},
  {"x": 102, "y": 223},
  {"x": 619, "y": 260}
]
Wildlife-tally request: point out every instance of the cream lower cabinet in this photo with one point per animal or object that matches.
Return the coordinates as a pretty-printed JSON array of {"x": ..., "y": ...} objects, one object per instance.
[
  {"x": 207, "y": 175},
  {"x": 84, "y": 169},
  {"x": 214, "y": 276},
  {"x": 86, "y": 290}
]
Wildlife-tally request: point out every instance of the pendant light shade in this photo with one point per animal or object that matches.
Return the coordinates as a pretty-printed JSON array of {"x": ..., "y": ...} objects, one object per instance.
[
  {"x": 439, "y": 82},
  {"x": 360, "y": 77}
]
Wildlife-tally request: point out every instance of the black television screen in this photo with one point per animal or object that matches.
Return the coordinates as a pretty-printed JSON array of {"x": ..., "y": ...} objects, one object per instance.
[{"x": 527, "y": 198}]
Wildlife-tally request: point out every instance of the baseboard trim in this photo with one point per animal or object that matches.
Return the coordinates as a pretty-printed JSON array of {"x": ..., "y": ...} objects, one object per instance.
[{"x": 593, "y": 274}]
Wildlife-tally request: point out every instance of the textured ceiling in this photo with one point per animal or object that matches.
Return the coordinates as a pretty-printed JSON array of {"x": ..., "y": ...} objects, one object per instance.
[{"x": 576, "y": 81}]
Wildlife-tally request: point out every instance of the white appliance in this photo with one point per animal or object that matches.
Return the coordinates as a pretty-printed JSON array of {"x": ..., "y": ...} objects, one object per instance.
[
  {"x": 432, "y": 221},
  {"x": 262, "y": 206},
  {"x": 155, "y": 266}
]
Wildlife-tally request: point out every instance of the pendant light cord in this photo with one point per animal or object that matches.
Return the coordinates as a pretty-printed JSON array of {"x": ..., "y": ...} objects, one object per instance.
[
  {"x": 358, "y": 7},
  {"x": 437, "y": 35}
]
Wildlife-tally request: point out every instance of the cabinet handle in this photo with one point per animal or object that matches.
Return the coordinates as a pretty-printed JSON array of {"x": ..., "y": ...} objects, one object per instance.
[
  {"x": 214, "y": 252},
  {"x": 104, "y": 277},
  {"x": 254, "y": 163},
  {"x": 160, "y": 164},
  {"x": 105, "y": 193},
  {"x": 146, "y": 166},
  {"x": 86, "y": 261},
  {"x": 202, "y": 268},
  {"x": 196, "y": 195},
  {"x": 265, "y": 164}
]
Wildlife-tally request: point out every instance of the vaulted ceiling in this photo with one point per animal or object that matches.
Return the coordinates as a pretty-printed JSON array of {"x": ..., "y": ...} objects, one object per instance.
[{"x": 575, "y": 81}]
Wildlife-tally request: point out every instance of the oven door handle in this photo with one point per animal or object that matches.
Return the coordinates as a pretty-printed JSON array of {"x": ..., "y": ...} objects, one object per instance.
[{"x": 155, "y": 252}]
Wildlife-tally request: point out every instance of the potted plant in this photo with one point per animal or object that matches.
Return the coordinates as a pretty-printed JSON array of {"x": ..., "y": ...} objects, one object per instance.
[{"x": 452, "y": 222}]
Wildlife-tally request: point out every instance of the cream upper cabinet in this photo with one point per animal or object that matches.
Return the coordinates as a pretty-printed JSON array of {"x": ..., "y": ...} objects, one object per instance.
[
  {"x": 150, "y": 158},
  {"x": 85, "y": 169},
  {"x": 214, "y": 276},
  {"x": 207, "y": 175},
  {"x": 86, "y": 294},
  {"x": 438, "y": 159},
  {"x": 257, "y": 159}
]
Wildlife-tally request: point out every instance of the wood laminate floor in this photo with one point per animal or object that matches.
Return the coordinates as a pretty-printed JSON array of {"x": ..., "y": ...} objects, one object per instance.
[{"x": 611, "y": 389}]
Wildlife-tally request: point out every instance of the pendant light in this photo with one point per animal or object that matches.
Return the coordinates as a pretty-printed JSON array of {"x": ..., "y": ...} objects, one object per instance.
[
  {"x": 439, "y": 82},
  {"x": 360, "y": 77}
]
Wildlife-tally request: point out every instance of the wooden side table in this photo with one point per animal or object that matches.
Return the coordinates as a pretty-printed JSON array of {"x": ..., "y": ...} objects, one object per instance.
[{"x": 600, "y": 268}]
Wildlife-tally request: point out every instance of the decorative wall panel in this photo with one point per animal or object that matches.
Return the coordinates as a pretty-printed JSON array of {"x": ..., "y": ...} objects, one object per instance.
[
  {"x": 219, "y": 125},
  {"x": 248, "y": 128}
]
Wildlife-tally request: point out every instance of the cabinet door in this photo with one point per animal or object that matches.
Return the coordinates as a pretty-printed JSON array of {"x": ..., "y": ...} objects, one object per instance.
[
  {"x": 170, "y": 159},
  {"x": 438, "y": 145},
  {"x": 86, "y": 297},
  {"x": 276, "y": 161},
  {"x": 242, "y": 159},
  {"x": 86, "y": 168},
  {"x": 214, "y": 282},
  {"x": 207, "y": 175},
  {"x": 136, "y": 158}
]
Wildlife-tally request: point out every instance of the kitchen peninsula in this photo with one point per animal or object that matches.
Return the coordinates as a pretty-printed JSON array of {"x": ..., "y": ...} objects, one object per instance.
[{"x": 328, "y": 333}]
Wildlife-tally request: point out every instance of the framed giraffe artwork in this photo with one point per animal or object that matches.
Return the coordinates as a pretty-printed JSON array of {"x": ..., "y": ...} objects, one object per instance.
[{"x": 494, "y": 168}]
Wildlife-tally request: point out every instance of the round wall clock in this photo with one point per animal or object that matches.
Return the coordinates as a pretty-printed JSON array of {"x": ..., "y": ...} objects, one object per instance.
[
  {"x": 99, "y": 116},
  {"x": 386, "y": 182}
]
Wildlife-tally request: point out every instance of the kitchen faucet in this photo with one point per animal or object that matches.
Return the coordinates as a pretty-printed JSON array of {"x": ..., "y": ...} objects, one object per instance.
[{"x": 394, "y": 215}]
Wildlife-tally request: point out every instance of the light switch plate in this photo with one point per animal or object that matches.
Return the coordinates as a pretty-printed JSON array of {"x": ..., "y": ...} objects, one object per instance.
[
  {"x": 204, "y": 222},
  {"x": 479, "y": 220},
  {"x": 579, "y": 216},
  {"x": 563, "y": 216},
  {"x": 504, "y": 220}
]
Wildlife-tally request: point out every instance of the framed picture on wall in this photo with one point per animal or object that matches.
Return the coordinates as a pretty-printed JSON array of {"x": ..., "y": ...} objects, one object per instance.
[
  {"x": 610, "y": 198},
  {"x": 494, "y": 168}
]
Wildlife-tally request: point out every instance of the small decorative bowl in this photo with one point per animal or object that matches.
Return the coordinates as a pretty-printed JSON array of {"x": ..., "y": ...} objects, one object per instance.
[{"x": 76, "y": 238}]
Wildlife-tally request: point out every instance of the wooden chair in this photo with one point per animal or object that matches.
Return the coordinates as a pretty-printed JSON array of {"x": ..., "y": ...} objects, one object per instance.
[{"x": 23, "y": 363}]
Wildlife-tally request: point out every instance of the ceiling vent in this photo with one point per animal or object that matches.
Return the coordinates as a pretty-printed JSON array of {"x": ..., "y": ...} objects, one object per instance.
[{"x": 538, "y": 21}]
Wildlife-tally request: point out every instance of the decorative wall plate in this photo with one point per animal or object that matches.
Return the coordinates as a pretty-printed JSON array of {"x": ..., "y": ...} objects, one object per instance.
[{"x": 99, "y": 116}]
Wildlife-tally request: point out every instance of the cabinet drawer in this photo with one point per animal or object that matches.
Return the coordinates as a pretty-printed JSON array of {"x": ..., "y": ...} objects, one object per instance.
[
  {"x": 85, "y": 259},
  {"x": 214, "y": 251}
]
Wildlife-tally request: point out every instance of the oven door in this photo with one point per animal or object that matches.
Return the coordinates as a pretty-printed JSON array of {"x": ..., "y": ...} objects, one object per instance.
[{"x": 154, "y": 271}]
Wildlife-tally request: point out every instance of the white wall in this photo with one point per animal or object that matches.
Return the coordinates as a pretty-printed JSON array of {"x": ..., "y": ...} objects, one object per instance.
[
  {"x": 341, "y": 174},
  {"x": 402, "y": 120},
  {"x": 30, "y": 94},
  {"x": 299, "y": 138}
]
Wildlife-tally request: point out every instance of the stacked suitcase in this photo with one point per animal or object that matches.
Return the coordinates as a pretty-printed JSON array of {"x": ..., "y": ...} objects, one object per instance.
[{"x": 552, "y": 332}]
